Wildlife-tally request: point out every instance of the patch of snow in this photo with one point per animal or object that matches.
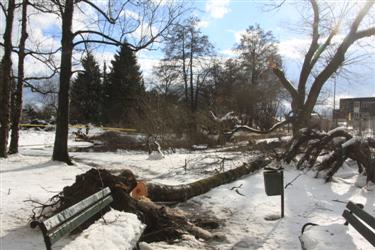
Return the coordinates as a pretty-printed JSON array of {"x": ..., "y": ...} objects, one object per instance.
[
  {"x": 32, "y": 175},
  {"x": 331, "y": 237},
  {"x": 199, "y": 147},
  {"x": 116, "y": 231},
  {"x": 155, "y": 155}
]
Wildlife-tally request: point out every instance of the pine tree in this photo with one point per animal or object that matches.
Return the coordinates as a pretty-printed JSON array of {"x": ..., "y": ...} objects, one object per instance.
[
  {"x": 124, "y": 88},
  {"x": 86, "y": 93}
]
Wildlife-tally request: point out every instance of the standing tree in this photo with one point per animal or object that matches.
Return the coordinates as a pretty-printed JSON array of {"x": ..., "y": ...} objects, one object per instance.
[
  {"x": 257, "y": 48},
  {"x": 246, "y": 84},
  {"x": 86, "y": 93},
  {"x": 17, "y": 95},
  {"x": 124, "y": 87},
  {"x": 188, "y": 49},
  {"x": 116, "y": 23},
  {"x": 6, "y": 68},
  {"x": 324, "y": 57}
]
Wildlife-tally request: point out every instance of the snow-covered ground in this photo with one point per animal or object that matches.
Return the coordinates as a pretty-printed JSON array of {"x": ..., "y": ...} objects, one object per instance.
[{"x": 32, "y": 175}]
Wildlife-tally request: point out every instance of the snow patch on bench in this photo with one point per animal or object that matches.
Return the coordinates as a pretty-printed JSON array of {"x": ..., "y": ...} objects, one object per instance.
[
  {"x": 118, "y": 231},
  {"x": 329, "y": 237}
]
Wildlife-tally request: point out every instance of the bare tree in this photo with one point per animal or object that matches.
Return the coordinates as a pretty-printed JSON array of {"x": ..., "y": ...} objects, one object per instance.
[
  {"x": 188, "y": 48},
  {"x": 6, "y": 67},
  {"x": 324, "y": 57},
  {"x": 17, "y": 95},
  {"x": 114, "y": 27}
]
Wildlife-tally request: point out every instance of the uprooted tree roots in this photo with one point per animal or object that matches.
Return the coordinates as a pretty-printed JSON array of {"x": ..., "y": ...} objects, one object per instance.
[
  {"x": 163, "y": 223},
  {"x": 339, "y": 145}
]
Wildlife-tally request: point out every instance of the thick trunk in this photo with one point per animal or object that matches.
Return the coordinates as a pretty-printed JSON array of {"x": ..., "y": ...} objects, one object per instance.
[
  {"x": 60, "y": 150},
  {"x": 6, "y": 67},
  {"x": 163, "y": 223},
  {"x": 183, "y": 192},
  {"x": 17, "y": 107}
]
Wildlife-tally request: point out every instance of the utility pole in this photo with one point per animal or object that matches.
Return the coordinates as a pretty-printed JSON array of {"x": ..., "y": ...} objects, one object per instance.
[{"x": 334, "y": 103}]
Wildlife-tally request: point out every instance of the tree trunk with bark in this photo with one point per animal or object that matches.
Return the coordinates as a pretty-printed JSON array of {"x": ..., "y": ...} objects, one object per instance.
[
  {"x": 17, "y": 107},
  {"x": 6, "y": 68},
  {"x": 181, "y": 193},
  {"x": 303, "y": 101},
  {"x": 60, "y": 149},
  {"x": 163, "y": 223}
]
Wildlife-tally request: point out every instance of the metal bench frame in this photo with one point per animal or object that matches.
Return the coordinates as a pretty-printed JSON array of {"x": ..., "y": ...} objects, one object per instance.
[{"x": 61, "y": 224}]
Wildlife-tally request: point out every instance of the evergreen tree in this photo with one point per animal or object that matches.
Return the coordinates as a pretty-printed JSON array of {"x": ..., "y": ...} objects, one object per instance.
[
  {"x": 86, "y": 93},
  {"x": 124, "y": 88}
]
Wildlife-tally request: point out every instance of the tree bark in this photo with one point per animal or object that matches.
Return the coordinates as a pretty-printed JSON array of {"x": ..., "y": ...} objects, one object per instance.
[
  {"x": 163, "y": 223},
  {"x": 60, "y": 149},
  {"x": 181, "y": 193},
  {"x": 17, "y": 108},
  {"x": 6, "y": 65}
]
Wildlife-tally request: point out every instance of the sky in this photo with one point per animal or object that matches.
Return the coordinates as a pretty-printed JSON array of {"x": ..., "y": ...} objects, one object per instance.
[{"x": 223, "y": 21}]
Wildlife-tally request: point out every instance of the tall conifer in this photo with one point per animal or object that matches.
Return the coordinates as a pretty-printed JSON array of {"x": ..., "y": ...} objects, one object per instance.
[
  {"x": 86, "y": 93},
  {"x": 124, "y": 88}
]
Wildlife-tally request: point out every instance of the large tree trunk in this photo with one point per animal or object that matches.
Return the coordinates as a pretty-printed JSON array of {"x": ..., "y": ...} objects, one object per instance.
[
  {"x": 60, "y": 149},
  {"x": 6, "y": 67},
  {"x": 183, "y": 192},
  {"x": 17, "y": 107},
  {"x": 163, "y": 223}
]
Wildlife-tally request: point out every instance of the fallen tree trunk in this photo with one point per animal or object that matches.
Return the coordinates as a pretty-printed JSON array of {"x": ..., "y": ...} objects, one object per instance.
[
  {"x": 178, "y": 193},
  {"x": 162, "y": 223}
]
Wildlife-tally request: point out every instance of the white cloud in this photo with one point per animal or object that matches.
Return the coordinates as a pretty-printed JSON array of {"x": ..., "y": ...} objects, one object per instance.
[
  {"x": 147, "y": 65},
  {"x": 293, "y": 48},
  {"x": 238, "y": 34},
  {"x": 229, "y": 52},
  {"x": 217, "y": 8},
  {"x": 203, "y": 24}
]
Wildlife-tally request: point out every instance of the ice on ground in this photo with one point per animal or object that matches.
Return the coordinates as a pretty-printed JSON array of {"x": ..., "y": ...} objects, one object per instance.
[{"x": 116, "y": 231}]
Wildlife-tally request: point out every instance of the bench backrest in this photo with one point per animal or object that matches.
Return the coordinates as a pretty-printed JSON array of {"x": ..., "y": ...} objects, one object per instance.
[
  {"x": 363, "y": 222},
  {"x": 66, "y": 221}
]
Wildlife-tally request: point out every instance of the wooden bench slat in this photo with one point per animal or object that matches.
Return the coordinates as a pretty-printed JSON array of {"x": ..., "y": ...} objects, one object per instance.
[
  {"x": 64, "y": 215},
  {"x": 362, "y": 214},
  {"x": 360, "y": 227},
  {"x": 72, "y": 224}
]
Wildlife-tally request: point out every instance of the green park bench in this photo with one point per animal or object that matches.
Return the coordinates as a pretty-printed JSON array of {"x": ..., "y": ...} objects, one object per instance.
[
  {"x": 354, "y": 215},
  {"x": 61, "y": 224}
]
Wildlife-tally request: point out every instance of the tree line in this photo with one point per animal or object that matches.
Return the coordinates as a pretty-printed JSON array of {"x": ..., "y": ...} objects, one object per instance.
[{"x": 190, "y": 79}]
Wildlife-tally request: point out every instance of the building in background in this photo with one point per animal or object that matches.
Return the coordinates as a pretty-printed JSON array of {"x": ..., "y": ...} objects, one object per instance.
[{"x": 356, "y": 112}]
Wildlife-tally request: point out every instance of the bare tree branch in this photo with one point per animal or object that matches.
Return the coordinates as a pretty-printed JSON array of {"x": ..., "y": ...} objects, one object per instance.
[{"x": 287, "y": 84}]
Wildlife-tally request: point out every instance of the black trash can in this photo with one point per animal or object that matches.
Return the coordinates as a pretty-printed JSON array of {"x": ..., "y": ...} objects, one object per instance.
[{"x": 273, "y": 181}]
